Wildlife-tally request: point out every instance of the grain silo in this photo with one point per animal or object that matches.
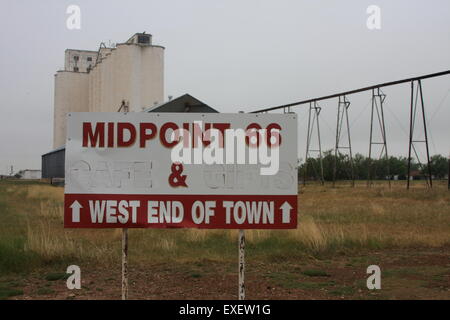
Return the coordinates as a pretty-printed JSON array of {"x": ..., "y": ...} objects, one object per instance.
[
  {"x": 128, "y": 77},
  {"x": 93, "y": 81}
]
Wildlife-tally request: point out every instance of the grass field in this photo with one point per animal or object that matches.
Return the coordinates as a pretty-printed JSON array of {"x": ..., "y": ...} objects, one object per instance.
[{"x": 338, "y": 227}]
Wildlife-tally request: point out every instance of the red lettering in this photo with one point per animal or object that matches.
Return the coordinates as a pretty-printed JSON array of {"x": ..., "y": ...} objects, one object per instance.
[
  {"x": 252, "y": 131},
  {"x": 221, "y": 127},
  {"x": 162, "y": 134},
  {"x": 207, "y": 135},
  {"x": 94, "y": 137},
  {"x": 144, "y": 136},
  {"x": 276, "y": 134},
  {"x": 111, "y": 135},
  {"x": 121, "y": 126}
]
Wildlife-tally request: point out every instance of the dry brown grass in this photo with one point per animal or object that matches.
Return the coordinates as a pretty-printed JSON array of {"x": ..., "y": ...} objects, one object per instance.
[
  {"x": 376, "y": 216},
  {"x": 54, "y": 246},
  {"x": 51, "y": 210},
  {"x": 309, "y": 234},
  {"x": 50, "y": 245},
  {"x": 329, "y": 220},
  {"x": 196, "y": 235},
  {"x": 47, "y": 192}
]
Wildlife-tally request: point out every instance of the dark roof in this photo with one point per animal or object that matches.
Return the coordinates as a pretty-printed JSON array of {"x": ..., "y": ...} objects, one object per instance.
[
  {"x": 184, "y": 103},
  {"x": 55, "y": 150},
  {"x": 139, "y": 34}
]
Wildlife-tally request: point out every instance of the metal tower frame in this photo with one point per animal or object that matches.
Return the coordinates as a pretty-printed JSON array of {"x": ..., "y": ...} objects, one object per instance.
[
  {"x": 413, "y": 113},
  {"x": 412, "y": 121},
  {"x": 378, "y": 98},
  {"x": 342, "y": 113},
  {"x": 313, "y": 123}
]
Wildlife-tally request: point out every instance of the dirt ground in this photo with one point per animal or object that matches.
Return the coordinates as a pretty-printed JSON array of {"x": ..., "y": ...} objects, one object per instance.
[{"x": 405, "y": 274}]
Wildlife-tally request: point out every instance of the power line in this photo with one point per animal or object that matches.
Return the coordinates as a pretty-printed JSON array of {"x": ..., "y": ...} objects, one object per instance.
[
  {"x": 361, "y": 113},
  {"x": 439, "y": 106},
  {"x": 336, "y": 95}
]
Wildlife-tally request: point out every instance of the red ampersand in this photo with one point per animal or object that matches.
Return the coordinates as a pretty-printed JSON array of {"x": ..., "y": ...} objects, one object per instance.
[{"x": 176, "y": 179}]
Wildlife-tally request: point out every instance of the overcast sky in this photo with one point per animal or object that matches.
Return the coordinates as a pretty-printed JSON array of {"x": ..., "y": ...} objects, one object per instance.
[{"x": 235, "y": 55}]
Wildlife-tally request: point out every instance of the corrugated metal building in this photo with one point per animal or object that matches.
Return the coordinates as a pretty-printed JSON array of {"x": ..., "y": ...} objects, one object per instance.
[{"x": 53, "y": 163}]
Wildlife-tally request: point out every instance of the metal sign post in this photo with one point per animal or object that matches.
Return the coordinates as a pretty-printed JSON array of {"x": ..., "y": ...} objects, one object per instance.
[
  {"x": 124, "y": 264},
  {"x": 241, "y": 292}
]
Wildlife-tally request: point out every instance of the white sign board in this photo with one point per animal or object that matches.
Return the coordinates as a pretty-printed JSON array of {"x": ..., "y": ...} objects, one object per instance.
[{"x": 181, "y": 170}]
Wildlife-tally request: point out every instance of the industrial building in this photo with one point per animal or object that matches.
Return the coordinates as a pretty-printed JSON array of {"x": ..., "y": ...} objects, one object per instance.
[
  {"x": 128, "y": 78},
  {"x": 30, "y": 174},
  {"x": 53, "y": 163}
]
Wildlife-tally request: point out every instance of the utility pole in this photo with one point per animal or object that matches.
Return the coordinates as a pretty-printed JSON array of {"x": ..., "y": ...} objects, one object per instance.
[
  {"x": 342, "y": 119},
  {"x": 377, "y": 116},
  {"x": 414, "y": 110},
  {"x": 313, "y": 121}
]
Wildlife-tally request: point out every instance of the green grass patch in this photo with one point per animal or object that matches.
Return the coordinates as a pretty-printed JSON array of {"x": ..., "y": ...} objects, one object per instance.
[
  {"x": 45, "y": 291},
  {"x": 343, "y": 291},
  {"x": 196, "y": 275},
  {"x": 312, "y": 285},
  {"x": 13, "y": 257},
  {"x": 315, "y": 273},
  {"x": 54, "y": 276},
  {"x": 426, "y": 271},
  {"x": 289, "y": 280},
  {"x": 7, "y": 292},
  {"x": 10, "y": 289}
]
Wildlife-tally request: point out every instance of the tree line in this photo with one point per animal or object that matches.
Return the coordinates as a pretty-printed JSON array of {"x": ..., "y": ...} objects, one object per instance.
[{"x": 393, "y": 167}]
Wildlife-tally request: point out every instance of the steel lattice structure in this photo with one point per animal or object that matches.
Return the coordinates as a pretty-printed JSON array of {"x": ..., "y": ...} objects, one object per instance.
[{"x": 377, "y": 120}]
